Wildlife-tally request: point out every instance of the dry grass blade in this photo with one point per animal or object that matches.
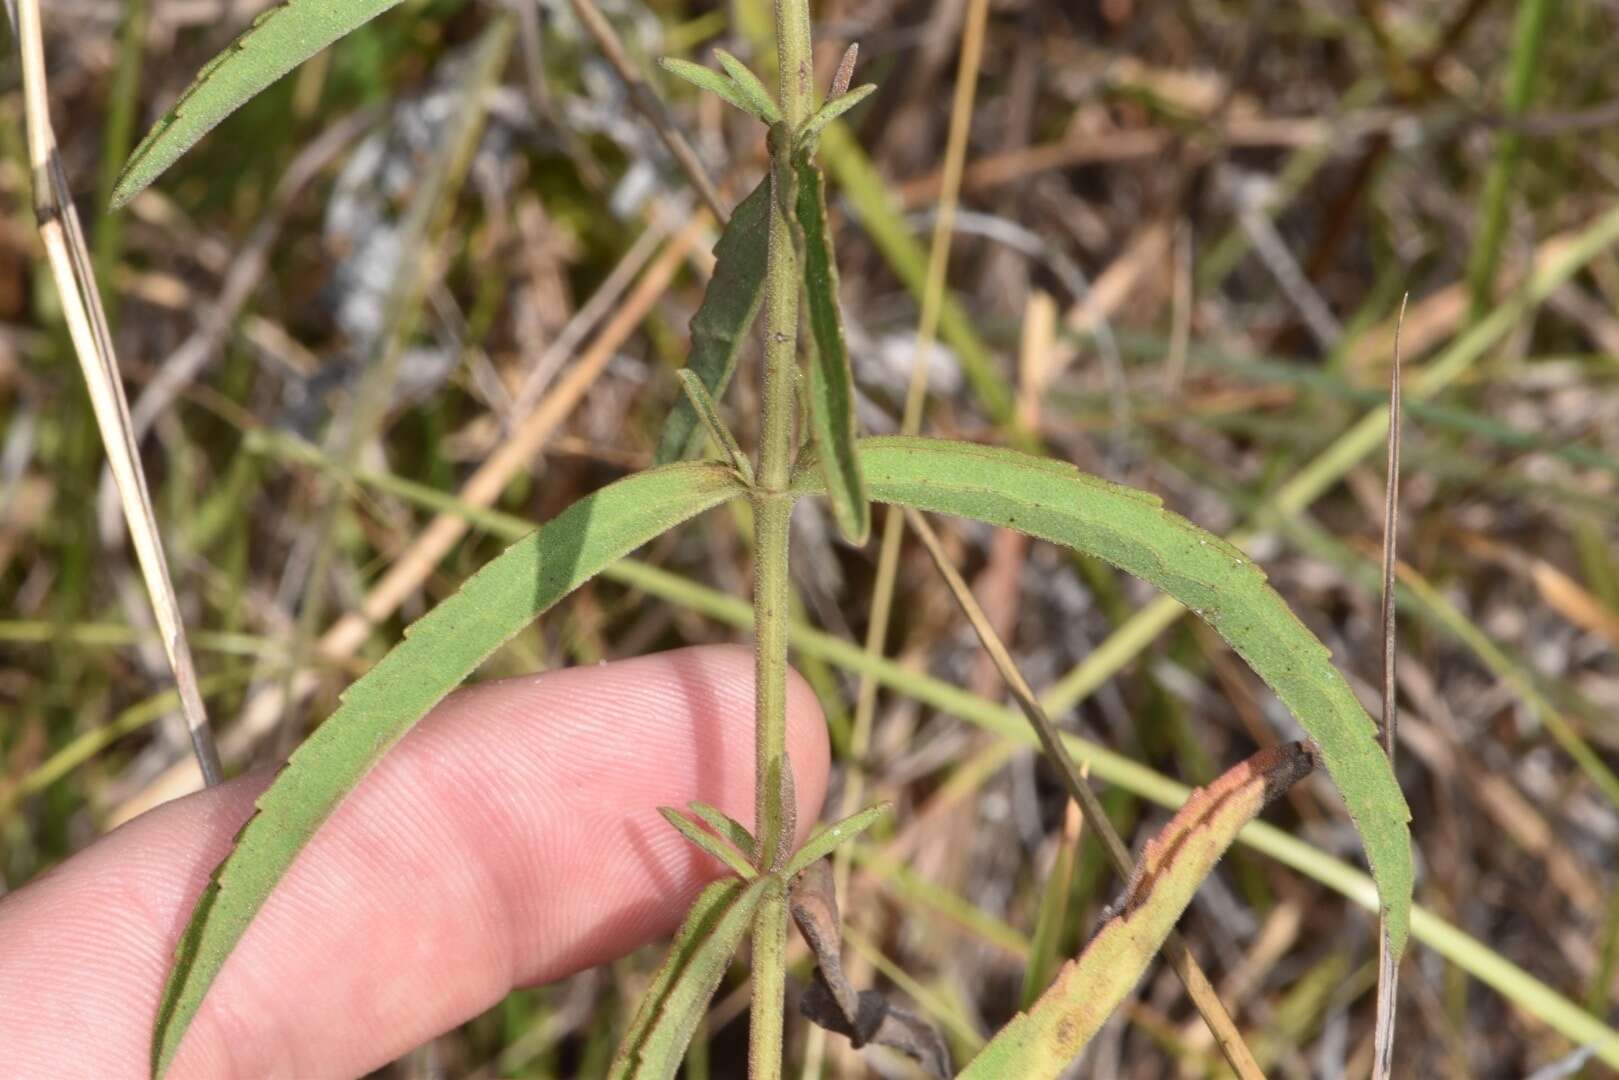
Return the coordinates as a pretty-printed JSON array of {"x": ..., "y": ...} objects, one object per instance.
[
  {"x": 1198, "y": 987},
  {"x": 1391, "y": 558},
  {"x": 1388, "y": 965},
  {"x": 71, "y": 269}
]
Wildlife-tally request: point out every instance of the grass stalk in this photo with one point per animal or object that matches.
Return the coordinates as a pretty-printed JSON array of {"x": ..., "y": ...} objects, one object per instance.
[{"x": 1528, "y": 34}]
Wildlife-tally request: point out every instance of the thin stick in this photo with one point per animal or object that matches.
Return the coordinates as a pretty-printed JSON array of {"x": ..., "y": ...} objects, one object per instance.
[
  {"x": 1391, "y": 523},
  {"x": 1388, "y": 970},
  {"x": 1198, "y": 987},
  {"x": 71, "y": 269},
  {"x": 646, "y": 100}
]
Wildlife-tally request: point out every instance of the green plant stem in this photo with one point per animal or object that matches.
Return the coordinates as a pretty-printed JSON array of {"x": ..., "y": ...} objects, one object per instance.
[
  {"x": 773, "y": 507},
  {"x": 765, "y": 1024}
]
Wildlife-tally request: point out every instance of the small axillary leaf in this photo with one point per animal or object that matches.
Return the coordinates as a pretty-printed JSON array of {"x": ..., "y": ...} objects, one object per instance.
[{"x": 738, "y": 86}]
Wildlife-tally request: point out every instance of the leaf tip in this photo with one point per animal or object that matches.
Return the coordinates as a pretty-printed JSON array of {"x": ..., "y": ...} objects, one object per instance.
[
  {"x": 845, "y": 74},
  {"x": 136, "y": 177}
]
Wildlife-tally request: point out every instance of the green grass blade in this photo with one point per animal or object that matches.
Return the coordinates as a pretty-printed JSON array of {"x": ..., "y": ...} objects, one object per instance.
[
  {"x": 721, "y": 324},
  {"x": 438, "y": 652},
  {"x": 822, "y": 843},
  {"x": 1221, "y": 585},
  {"x": 1042, "y": 1041},
  {"x": 1528, "y": 38},
  {"x": 719, "y": 847},
  {"x": 831, "y": 383},
  {"x": 655, "y": 1044},
  {"x": 278, "y": 40}
]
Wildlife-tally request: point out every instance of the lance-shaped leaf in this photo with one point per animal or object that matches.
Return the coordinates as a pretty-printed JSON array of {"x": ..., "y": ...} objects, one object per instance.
[
  {"x": 725, "y": 89},
  {"x": 722, "y": 322},
  {"x": 764, "y": 106},
  {"x": 725, "y": 825},
  {"x": 831, "y": 383},
  {"x": 277, "y": 41},
  {"x": 719, "y": 847},
  {"x": 827, "y": 840},
  {"x": 1132, "y": 530},
  {"x": 656, "y": 1042},
  {"x": 438, "y": 652},
  {"x": 709, "y": 414},
  {"x": 810, "y": 133},
  {"x": 1043, "y": 1041}
]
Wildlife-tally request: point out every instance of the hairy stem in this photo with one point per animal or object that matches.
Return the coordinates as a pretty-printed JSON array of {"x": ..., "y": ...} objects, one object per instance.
[
  {"x": 772, "y": 511},
  {"x": 765, "y": 1023}
]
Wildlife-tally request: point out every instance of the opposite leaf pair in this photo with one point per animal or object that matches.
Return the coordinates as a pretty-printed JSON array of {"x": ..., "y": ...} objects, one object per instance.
[{"x": 742, "y": 88}]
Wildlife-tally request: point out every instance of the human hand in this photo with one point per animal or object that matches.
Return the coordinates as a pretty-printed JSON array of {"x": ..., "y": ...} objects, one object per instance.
[{"x": 511, "y": 839}]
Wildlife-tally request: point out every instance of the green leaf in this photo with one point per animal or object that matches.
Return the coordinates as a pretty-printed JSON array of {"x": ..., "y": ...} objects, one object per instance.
[
  {"x": 717, "y": 846},
  {"x": 709, "y": 413},
  {"x": 831, "y": 384},
  {"x": 873, "y": 201},
  {"x": 706, "y": 78},
  {"x": 722, "y": 322},
  {"x": 827, "y": 840},
  {"x": 277, "y": 41},
  {"x": 810, "y": 133},
  {"x": 438, "y": 652},
  {"x": 673, "y": 1005},
  {"x": 1131, "y": 529},
  {"x": 764, "y": 106},
  {"x": 726, "y": 825},
  {"x": 1043, "y": 1041}
]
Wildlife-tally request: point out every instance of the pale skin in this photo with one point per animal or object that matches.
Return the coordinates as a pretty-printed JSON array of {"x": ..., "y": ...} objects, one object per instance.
[{"x": 511, "y": 839}]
